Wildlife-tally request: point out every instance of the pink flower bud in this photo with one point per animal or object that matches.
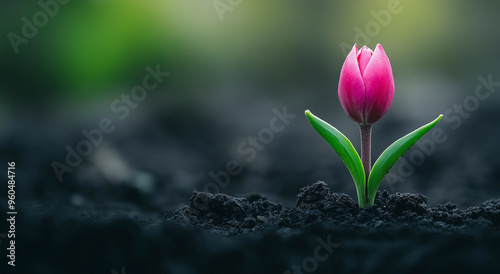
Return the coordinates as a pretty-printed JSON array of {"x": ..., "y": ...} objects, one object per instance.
[{"x": 366, "y": 86}]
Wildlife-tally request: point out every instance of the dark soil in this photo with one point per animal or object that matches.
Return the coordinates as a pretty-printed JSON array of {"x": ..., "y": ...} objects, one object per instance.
[
  {"x": 325, "y": 233},
  {"x": 145, "y": 223},
  {"x": 228, "y": 216}
]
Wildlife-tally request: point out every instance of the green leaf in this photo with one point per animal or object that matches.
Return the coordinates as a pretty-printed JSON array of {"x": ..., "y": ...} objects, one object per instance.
[
  {"x": 345, "y": 150},
  {"x": 391, "y": 155}
]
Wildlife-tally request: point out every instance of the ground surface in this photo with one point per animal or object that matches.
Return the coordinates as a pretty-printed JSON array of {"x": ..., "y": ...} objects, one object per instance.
[
  {"x": 128, "y": 204},
  {"x": 325, "y": 233}
]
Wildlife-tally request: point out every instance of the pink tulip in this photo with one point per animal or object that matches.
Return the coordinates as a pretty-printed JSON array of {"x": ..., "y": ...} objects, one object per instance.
[{"x": 366, "y": 86}]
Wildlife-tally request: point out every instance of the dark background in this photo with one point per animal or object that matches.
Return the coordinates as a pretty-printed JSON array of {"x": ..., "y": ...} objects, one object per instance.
[{"x": 226, "y": 77}]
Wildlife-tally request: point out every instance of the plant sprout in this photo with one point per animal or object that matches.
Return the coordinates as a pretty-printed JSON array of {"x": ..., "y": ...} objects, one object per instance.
[{"x": 366, "y": 90}]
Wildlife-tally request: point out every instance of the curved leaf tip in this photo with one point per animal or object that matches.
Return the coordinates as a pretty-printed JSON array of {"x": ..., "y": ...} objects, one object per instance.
[
  {"x": 392, "y": 154},
  {"x": 344, "y": 148}
]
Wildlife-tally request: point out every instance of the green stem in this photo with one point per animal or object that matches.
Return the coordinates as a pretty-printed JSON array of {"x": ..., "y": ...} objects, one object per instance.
[{"x": 366, "y": 136}]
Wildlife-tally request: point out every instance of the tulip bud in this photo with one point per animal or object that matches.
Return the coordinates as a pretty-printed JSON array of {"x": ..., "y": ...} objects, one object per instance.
[{"x": 366, "y": 86}]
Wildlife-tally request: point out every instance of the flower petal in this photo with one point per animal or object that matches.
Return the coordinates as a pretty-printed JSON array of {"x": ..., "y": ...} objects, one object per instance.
[
  {"x": 364, "y": 56},
  {"x": 379, "y": 84},
  {"x": 352, "y": 88}
]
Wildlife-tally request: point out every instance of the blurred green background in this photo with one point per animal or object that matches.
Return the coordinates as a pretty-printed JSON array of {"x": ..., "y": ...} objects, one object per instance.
[
  {"x": 232, "y": 68},
  {"x": 90, "y": 48}
]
